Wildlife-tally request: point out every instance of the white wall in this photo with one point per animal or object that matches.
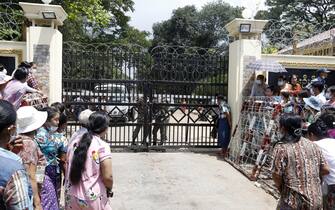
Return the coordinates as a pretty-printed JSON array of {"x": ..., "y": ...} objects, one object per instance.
[
  {"x": 53, "y": 38},
  {"x": 241, "y": 52},
  {"x": 303, "y": 61}
]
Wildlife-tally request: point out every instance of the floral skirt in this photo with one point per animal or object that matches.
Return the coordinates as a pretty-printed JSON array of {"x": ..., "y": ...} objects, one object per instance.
[
  {"x": 74, "y": 203},
  {"x": 50, "y": 188}
]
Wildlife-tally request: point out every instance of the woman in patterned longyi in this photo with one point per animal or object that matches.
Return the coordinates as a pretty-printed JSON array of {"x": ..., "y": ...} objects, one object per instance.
[
  {"x": 297, "y": 168},
  {"x": 51, "y": 150}
]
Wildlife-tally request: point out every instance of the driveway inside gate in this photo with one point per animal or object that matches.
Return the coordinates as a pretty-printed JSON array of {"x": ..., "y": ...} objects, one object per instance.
[{"x": 182, "y": 181}]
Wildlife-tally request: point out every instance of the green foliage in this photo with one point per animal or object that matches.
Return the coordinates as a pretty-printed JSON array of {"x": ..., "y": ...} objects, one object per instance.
[
  {"x": 189, "y": 27},
  {"x": 310, "y": 11},
  {"x": 220, "y": 89},
  {"x": 133, "y": 36},
  {"x": 181, "y": 29},
  {"x": 93, "y": 20},
  {"x": 11, "y": 22},
  {"x": 296, "y": 20},
  {"x": 269, "y": 50}
]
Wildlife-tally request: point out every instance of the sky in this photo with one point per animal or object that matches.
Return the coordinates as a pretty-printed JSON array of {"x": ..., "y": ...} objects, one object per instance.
[{"x": 148, "y": 12}]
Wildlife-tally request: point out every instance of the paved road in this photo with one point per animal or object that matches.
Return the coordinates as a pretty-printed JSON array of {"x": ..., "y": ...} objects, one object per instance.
[{"x": 182, "y": 181}]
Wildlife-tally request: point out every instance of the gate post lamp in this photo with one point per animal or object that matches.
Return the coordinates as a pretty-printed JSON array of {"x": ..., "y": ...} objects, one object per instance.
[
  {"x": 46, "y": 1},
  {"x": 246, "y": 28},
  {"x": 44, "y": 14}
]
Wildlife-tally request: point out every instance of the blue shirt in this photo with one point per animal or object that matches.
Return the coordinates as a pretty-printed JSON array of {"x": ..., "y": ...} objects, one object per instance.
[
  {"x": 15, "y": 189},
  {"x": 48, "y": 146},
  {"x": 10, "y": 155}
]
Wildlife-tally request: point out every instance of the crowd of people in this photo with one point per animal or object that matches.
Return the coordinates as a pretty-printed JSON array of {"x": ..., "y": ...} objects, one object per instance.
[
  {"x": 39, "y": 159},
  {"x": 293, "y": 98},
  {"x": 304, "y": 157}
]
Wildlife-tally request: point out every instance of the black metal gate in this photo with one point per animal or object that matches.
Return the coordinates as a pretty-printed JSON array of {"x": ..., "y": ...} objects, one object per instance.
[{"x": 164, "y": 96}]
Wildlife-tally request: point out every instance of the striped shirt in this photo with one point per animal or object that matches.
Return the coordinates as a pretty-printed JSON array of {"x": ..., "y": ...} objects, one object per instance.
[{"x": 15, "y": 189}]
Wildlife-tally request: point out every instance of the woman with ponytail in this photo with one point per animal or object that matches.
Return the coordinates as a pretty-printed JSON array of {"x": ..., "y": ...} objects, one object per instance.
[
  {"x": 89, "y": 180},
  {"x": 297, "y": 167}
]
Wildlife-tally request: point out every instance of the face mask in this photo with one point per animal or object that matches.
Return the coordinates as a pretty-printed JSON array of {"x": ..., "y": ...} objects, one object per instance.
[
  {"x": 258, "y": 82},
  {"x": 312, "y": 92},
  {"x": 53, "y": 129},
  {"x": 323, "y": 77},
  {"x": 280, "y": 83}
]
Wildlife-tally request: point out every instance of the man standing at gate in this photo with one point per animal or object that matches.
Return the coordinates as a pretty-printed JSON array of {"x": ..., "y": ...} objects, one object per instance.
[
  {"x": 142, "y": 121},
  {"x": 161, "y": 114}
]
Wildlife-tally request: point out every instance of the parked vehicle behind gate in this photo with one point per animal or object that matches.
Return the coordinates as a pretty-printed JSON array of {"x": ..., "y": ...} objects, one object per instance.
[{"x": 119, "y": 97}]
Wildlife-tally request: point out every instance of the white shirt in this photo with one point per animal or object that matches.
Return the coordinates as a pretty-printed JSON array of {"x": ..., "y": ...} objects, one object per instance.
[
  {"x": 328, "y": 150},
  {"x": 78, "y": 133},
  {"x": 322, "y": 98}
]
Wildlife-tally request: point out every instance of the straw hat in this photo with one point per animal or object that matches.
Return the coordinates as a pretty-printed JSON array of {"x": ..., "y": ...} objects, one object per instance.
[{"x": 29, "y": 119}]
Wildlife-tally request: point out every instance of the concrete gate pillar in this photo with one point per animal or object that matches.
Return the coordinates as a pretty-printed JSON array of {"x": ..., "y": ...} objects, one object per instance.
[
  {"x": 44, "y": 46},
  {"x": 245, "y": 49}
]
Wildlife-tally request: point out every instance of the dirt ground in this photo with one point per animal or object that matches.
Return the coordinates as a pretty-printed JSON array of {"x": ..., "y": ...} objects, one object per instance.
[{"x": 182, "y": 181}]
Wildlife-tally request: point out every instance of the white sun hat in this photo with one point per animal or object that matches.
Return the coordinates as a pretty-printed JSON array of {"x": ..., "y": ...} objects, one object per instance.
[
  {"x": 84, "y": 116},
  {"x": 313, "y": 102},
  {"x": 29, "y": 119}
]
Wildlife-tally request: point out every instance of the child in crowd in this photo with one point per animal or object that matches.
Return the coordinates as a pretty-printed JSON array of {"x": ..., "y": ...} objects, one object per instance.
[
  {"x": 59, "y": 138},
  {"x": 286, "y": 102}
]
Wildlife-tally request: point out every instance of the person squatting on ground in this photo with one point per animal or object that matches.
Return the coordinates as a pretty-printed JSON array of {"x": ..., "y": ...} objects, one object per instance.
[
  {"x": 89, "y": 180},
  {"x": 15, "y": 188},
  {"x": 299, "y": 189}
]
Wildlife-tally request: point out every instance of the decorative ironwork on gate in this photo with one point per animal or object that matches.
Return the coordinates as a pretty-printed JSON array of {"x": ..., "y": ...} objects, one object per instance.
[{"x": 164, "y": 96}]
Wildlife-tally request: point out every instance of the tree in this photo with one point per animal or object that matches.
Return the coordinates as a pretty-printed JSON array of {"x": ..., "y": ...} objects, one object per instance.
[
  {"x": 292, "y": 21},
  {"x": 310, "y": 11},
  {"x": 89, "y": 20},
  {"x": 189, "y": 27},
  {"x": 133, "y": 36},
  {"x": 212, "y": 20},
  {"x": 181, "y": 29}
]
